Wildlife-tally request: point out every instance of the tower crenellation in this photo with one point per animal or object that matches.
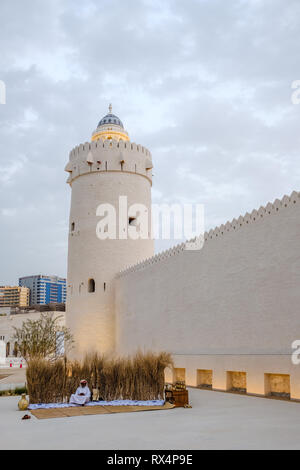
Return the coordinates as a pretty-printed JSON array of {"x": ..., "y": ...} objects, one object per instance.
[{"x": 109, "y": 155}]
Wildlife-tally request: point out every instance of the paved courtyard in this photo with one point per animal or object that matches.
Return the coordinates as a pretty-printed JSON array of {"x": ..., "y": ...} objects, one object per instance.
[
  {"x": 12, "y": 377},
  {"x": 216, "y": 421}
]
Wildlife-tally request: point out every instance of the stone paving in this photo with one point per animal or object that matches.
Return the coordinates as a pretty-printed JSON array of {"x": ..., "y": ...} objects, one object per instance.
[{"x": 216, "y": 421}]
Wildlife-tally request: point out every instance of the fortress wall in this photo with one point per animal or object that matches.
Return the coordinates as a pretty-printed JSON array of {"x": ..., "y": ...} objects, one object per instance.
[{"x": 232, "y": 306}]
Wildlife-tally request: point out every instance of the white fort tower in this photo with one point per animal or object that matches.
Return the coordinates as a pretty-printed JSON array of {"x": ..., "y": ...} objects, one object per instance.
[{"x": 100, "y": 172}]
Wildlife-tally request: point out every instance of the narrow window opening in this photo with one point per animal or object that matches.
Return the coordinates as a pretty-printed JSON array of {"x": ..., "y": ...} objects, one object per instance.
[
  {"x": 104, "y": 286},
  {"x": 91, "y": 285},
  {"x": 131, "y": 220},
  {"x": 72, "y": 226}
]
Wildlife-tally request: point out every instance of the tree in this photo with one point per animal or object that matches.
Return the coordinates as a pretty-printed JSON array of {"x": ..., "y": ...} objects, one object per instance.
[{"x": 43, "y": 338}]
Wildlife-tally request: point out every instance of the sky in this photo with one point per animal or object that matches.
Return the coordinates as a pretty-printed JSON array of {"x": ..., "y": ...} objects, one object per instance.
[{"x": 205, "y": 85}]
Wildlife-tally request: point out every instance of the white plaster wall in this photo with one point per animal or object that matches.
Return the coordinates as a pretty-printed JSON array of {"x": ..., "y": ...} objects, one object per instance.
[
  {"x": 2, "y": 352},
  {"x": 234, "y": 305},
  {"x": 91, "y": 316},
  {"x": 8, "y": 322}
]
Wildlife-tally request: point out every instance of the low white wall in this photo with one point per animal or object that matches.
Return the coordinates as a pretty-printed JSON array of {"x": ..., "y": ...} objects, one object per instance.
[
  {"x": 8, "y": 322},
  {"x": 11, "y": 386}
]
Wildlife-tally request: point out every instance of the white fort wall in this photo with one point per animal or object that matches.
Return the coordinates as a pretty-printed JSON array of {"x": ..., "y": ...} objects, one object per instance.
[
  {"x": 100, "y": 172},
  {"x": 232, "y": 306}
]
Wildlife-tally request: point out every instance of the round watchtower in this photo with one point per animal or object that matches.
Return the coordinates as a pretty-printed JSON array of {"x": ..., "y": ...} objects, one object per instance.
[{"x": 100, "y": 172}]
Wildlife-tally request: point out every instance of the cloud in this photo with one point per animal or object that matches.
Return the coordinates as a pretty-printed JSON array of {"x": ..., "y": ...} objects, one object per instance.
[
  {"x": 8, "y": 172},
  {"x": 9, "y": 212},
  {"x": 205, "y": 85}
]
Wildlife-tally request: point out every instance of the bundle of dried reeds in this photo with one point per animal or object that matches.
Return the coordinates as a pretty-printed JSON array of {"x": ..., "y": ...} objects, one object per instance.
[
  {"x": 140, "y": 377},
  {"x": 45, "y": 381}
]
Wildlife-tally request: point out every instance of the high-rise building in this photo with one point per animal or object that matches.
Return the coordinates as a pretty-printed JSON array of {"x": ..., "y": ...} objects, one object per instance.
[
  {"x": 14, "y": 296},
  {"x": 45, "y": 289}
]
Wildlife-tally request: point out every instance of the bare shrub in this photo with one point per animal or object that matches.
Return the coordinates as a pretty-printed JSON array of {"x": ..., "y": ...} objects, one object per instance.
[{"x": 42, "y": 338}]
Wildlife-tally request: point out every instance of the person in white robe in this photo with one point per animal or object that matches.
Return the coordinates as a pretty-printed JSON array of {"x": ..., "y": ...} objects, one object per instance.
[{"x": 82, "y": 394}]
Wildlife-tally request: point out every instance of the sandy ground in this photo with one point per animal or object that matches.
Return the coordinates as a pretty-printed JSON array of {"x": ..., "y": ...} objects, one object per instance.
[
  {"x": 216, "y": 421},
  {"x": 12, "y": 375}
]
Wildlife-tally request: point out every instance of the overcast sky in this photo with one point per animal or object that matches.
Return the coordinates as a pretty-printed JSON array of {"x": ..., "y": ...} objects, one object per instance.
[{"x": 204, "y": 84}]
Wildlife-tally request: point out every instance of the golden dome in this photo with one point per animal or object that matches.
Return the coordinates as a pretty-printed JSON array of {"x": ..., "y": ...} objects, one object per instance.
[{"x": 110, "y": 127}]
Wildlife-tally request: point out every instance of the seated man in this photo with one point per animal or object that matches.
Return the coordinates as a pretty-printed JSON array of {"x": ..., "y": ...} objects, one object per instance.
[{"x": 82, "y": 394}]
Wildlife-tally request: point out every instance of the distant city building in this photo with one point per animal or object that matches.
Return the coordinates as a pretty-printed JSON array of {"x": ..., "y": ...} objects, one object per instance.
[
  {"x": 45, "y": 289},
  {"x": 8, "y": 322},
  {"x": 14, "y": 296}
]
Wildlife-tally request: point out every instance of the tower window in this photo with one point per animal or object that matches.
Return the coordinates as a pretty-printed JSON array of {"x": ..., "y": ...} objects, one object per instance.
[
  {"x": 72, "y": 226},
  {"x": 104, "y": 286},
  {"x": 91, "y": 285}
]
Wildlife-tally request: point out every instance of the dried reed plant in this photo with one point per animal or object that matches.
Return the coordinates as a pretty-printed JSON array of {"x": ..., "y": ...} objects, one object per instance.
[
  {"x": 45, "y": 381},
  {"x": 140, "y": 377}
]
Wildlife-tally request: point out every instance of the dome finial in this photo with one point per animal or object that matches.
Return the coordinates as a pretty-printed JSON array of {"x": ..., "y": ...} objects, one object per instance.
[{"x": 110, "y": 108}]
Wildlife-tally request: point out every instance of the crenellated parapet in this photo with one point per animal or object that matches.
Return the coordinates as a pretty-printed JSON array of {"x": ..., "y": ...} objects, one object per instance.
[
  {"x": 163, "y": 255},
  {"x": 255, "y": 217},
  {"x": 109, "y": 155}
]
